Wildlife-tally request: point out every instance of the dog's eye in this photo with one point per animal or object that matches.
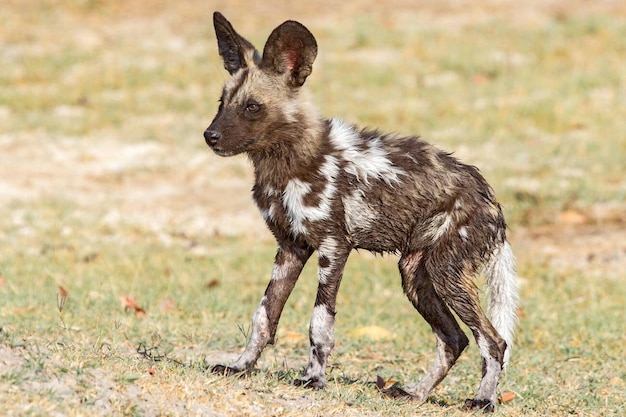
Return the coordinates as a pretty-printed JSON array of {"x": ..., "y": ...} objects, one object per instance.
[{"x": 253, "y": 107}]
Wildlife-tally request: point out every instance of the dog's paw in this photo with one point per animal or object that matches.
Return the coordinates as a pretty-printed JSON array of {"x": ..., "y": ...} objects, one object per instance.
[
  {"x": 228, "y": 371},
  {"x": 476, "y": 404},
  {"x": 313, "y": 383}
]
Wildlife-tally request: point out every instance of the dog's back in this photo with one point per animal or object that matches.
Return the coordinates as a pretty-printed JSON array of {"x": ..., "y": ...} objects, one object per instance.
[{"x": 384, "y": 193}]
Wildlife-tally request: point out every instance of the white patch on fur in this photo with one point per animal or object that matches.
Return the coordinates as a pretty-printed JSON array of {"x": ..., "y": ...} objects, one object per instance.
[
  {"x": 440, "y": 223},
  {"x": 280, "y": 272},
  {"x": 330, "y": 169},
  {"x": 270, "y": 191},
  {"x": 258, "y": 339},
  {"x": 483, "y": 347},
  {"x": 322, "y": 326},
  {"x": 323, "y": 274},
  {"x": 296, "y": 190},
  {"x": 321, "y": 332},
  {"x": 365, "y": 164},
  {"x": 463, "y": 232},
  {"x": 292, "y": 201},
  {"x": 328, "y": 249},
  {"x": 503, "y": 294},
  {"x": 489, "y": 382},
  {"x": 358, "y": 214},
  {"x": 268, "y": 215}
]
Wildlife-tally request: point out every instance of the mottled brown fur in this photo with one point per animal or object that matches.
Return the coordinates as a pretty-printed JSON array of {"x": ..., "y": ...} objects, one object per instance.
[{"x": 324, "y": 185}]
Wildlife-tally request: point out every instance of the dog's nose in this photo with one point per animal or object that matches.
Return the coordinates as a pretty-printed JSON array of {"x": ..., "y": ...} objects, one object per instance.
[{"x": 211, "y": 137}]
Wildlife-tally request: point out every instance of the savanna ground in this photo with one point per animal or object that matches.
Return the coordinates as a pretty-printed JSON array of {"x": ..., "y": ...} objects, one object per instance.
[{"x": 131, "y": 257}]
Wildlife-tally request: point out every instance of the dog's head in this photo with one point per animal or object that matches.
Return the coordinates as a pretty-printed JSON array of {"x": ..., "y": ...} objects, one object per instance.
[{"x": 261, "y": 98}]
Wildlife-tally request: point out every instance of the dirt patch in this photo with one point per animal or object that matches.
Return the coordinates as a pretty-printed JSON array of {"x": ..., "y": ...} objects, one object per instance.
[
  {"x": 156, "y": 188},
  {"x": 593, "y": 250}
]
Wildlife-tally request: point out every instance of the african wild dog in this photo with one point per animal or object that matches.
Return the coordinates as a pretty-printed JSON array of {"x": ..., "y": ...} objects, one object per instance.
[{"x": 324, "y": 185}]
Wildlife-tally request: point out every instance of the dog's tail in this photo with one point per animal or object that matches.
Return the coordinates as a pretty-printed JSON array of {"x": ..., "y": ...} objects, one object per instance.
[{"x": 503, "y": 294}]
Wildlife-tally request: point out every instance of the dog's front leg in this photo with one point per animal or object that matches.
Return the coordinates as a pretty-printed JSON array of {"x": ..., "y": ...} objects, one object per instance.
[
  {"x": 288, "y": 264},
  {"x": 332, "y": 259}
]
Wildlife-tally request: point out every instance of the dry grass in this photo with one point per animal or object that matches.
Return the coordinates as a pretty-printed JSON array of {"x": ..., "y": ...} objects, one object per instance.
[{"x": 109, "y": 197}]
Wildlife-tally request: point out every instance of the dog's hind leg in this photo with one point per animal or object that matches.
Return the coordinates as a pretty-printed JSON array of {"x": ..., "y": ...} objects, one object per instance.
[
  {"x": 453, "y": 282},
  {"x": 451, "y": 341}
]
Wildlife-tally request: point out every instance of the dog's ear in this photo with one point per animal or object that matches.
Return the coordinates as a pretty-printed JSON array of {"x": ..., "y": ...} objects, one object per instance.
[
  {"x": 236, "y": 52},
  {"x": 290, "y": 49}
]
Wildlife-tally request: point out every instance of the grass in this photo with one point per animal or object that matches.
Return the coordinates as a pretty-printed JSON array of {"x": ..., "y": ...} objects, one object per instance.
[
  {"x": 131, "y": 258},
  {"x": 567, "y": 360}
]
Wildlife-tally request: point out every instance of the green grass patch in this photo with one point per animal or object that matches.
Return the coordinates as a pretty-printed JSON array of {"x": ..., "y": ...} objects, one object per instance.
[{"x": 567, "y": 358}]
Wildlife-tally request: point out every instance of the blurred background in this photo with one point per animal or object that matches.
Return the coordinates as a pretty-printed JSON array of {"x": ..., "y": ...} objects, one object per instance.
[{"x": 108, "y": 189}]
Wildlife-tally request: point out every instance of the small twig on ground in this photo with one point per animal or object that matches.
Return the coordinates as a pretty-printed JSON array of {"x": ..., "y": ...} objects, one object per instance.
[{"x": 155, "y": 355}]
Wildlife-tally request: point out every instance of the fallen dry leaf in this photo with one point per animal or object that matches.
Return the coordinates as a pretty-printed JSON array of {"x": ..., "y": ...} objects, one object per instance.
[
  {"x": 61, "y": 298},
  {"x": 63, "y": 292},
  {"x": 391, "y": 388},
  {"x": 213, "y": 283},
  {"x": 127, "y": 302},
  {"x": 383, "y": 384},
  {"x": 130, "y": 304},
  {"x": 507, "y": 396}
]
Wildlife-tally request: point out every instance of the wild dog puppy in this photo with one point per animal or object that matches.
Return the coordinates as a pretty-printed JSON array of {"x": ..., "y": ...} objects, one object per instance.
[{"x": 327, "y": 186}]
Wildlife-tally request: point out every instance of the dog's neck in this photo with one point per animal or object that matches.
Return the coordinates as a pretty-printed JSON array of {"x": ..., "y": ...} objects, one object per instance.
[{"x": 295, "y": 155}]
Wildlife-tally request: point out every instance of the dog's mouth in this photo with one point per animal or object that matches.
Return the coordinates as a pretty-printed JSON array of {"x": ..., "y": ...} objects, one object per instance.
[{"x": 225, "y": 151}]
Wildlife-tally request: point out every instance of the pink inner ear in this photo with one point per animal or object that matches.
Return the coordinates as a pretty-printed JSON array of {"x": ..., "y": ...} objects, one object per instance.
[{"x": 291, "y": 59}]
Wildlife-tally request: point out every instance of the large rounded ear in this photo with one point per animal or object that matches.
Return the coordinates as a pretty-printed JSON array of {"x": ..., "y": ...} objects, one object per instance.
[
  {"x": 236, "y": 52},
  {"x": 290, "y": 49}
]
